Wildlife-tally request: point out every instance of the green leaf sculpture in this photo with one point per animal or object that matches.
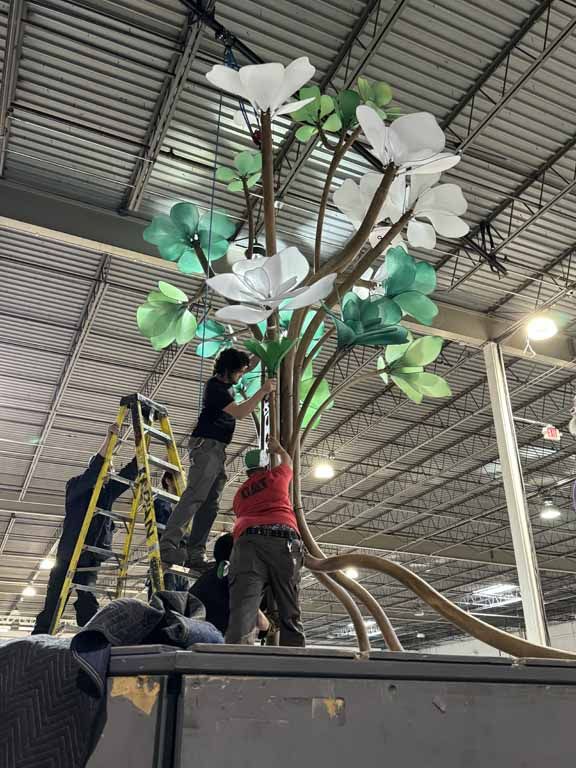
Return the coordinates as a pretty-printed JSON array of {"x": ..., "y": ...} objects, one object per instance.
[
  {"x": 215, "y": 337},
  {"x": 285, "y": 315},
  {"x": 408, "y": 284},
  {"x": 318, "y": 115},
  {"x": 247, "y": 169},
  {"x": 164, "y": 317},
  {"x": 270, "y": 353},
  {"x": 375, "y": 95},
  {"x": 346, "y": 103},
  {"x": 249, "y": 384},
  {"x": 371, "y": 322},
  {"x": 320, "y": 396},
  {"x": 175, "y": 236},
  {"x": 404, "y": 364}
]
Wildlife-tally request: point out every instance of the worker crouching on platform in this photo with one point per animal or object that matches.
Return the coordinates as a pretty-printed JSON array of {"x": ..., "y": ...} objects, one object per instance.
[{"x": 268, "y": 550}]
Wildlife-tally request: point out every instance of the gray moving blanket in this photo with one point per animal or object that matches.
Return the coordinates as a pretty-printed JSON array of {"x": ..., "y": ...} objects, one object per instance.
[{"x": 53, "y": 692}]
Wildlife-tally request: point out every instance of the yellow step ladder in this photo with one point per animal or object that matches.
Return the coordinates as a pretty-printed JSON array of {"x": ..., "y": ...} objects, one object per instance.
[{"x": 150, "y": 424}]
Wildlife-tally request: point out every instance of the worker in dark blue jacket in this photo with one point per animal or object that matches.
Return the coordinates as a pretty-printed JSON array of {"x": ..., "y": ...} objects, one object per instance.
[{"x": 78, "y": 494}]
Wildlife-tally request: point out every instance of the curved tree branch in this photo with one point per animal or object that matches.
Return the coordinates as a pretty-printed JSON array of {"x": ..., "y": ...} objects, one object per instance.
[{"x": 479, "y": 629}]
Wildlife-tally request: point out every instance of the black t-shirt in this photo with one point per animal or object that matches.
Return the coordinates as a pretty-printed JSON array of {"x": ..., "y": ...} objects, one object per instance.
[
  {"x": 213, "y": 422},
  {"x": 214, "y": 593}
]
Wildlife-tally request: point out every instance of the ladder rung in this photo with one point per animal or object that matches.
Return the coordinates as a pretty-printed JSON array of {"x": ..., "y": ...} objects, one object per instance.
[
  {"x": 120, "y": 479},
  {"x": 165, "y": 495},
  {"x": 97, "y": 590},
  {"x": 160, "y": 526},
  {"x": 107, "y": 553},
  {"x": 114, "y": 515},
  {"x": 98, "y": 568},
  {"x": 158, "y": 434},
  {"x": 162, "y": 464},
  {"x": 129, "y": 400}
]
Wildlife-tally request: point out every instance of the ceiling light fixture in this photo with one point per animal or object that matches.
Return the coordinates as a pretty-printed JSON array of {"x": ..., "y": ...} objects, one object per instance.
[
  {"x": 549, "y": 510},
  {"x": 324, "y": 471},
  {"x": 351, "y": 572},
  {"x": 541, "y": 327},
  {"x": 47, "y": 564},
  {"x": 28, "y": 591}
]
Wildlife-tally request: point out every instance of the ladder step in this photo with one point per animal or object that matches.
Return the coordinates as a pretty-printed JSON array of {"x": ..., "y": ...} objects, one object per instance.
[
  {"x": 130, "y": 400},
  {"x": 107, "y": 553},
  {"x": 99, "y": 568},
  {"x": 120, "y": 479},
  {"x": 162, "y": 464},
  {"x": 161, "y": 527},
  {"x": 118, "y": 516},
  {"x": 95, "y": 589},
  {"x": 165, "y": 495},
  {"x": 158, "y": 434}
]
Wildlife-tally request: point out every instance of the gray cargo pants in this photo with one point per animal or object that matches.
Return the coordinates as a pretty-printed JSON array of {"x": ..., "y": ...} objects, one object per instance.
[
  {"x": 198, "y": 503},
  {"x": 257, "y": 562}
]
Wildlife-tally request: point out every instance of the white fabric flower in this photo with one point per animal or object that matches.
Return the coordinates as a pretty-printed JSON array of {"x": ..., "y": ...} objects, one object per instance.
[
  {"x": 441, "y": 204},
  {"x": 412, "y": 142},
  {"x": 262, "y": 285},
  {"x": 354, "y": 200},
  {"x": 265, "y": 86}
]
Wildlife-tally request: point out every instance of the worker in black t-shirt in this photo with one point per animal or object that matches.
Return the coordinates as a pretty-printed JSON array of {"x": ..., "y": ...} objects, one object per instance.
[{"x": 206, "y": 476}]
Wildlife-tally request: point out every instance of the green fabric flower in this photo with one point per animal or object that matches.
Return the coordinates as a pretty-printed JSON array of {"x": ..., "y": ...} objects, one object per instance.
[
  {"x": 407, "y": 284},
  {"x": 371, "y": 322},
  {"x": 247, "y": 168},
  {"x": 271, "y": 353},
  {"x": 319, "y": 114},
  {"x": 375, "y": 95},
  {"x": 320, "y": 396},
  {"x": 404, "y": 364},
  {"x": 175, "y": 235},
  {"x": 165, "y": 318},
  {"x": 249, "y": 384}
]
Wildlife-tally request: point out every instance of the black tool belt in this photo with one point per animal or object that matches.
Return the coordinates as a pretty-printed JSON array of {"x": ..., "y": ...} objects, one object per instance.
[{"x": 278, "y": 530}]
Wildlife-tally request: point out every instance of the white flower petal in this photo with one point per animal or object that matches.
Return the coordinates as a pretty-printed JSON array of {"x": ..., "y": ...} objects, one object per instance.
[
  {"x": 239, "y": 121},
  {"x": 348, "y": 199},
  {"x": 313, "y": 294},
  {"x": 257, "y": 281},
  {"x": 227, "y": 79},
  {"x": 447, "y": 225},
  {"x": 421, "y": 235},
  {"x": 436, "y": 164},
  {"x": 287, "y": 286},
  {"x": 284, "y": 265},
  {"x": 382, "y": 273},
  {"x": 375, "y": 131},
  {"x": 361, "y": 291},
  {"x": 244, "y": 265},
  {"x": 239, "y": 313},
  {"x": 262, "y": 82},
  {"x": 421, "y": 184},
  {"x": 369, "y": 184},
  {"x": 445, "y": 198},
  {"x": 229, "y": 286},
  {"x": 292, "y": 106},
  {"x": 296, "y": 74},
  {"x": 415, "y": 137}
]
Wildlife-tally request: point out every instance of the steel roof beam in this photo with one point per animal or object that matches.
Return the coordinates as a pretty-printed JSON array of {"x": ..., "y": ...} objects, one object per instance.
[
  {"x": 174, "y": 85},
  {"x": 10, "y": 72},
  {"x": 95, "y": 299}
]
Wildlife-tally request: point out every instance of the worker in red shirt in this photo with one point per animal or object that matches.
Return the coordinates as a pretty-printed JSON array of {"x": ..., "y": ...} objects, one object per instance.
[{"x": 267, "y": 550}]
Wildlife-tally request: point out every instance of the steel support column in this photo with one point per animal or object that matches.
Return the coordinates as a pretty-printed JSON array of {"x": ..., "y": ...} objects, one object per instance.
[{"x": 521, "y": 530}]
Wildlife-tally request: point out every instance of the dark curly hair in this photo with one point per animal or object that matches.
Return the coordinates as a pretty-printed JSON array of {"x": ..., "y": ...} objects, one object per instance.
[{"x": 230, "y": 361}]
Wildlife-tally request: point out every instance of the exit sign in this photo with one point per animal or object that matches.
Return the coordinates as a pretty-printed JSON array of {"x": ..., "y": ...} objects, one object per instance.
[{"x": 550, "y": 432}]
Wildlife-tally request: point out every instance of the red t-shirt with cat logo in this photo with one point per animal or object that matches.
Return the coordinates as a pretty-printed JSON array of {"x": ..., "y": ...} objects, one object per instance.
[{"x": 264, "y": 499}]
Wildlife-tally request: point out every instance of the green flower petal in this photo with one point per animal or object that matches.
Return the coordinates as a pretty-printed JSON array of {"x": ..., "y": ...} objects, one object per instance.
[
  {"x": 306, "y": 132},
  {"x": 208, "y": 349},
  {"x": 210, "y": 329},
  {"x": 348, "y": 101},
  {"x": 214, "y": 248},
  {"x": 395, "y": 352},
  {"x": 425, "y": 281},
  {"x": 333, "y": 124},
  {"x": 225, "y": 174},
  {"x": 236, "y": 186},
  {"x": 219, "y": 223},
  {"x": 401, "y": 271},
  {"x": 382, "y": 94},
  {"x": 251, "y": 181},
  {"x": 161, "y": 231},
  {"x": 423, "y": 351},
  {"x": 185, "y": 216},
  {"x": 173, "y": 251},
  {"x": 154, "y": 320},
  {"x": 418, "y": 306},
  {"x": 407, "y": 388},
  {"x": 189, "y": 263},
  {"x": 248, "y": 163},
  {"x": 186, "y": 328},
  {"x": 172, "y": 292}
]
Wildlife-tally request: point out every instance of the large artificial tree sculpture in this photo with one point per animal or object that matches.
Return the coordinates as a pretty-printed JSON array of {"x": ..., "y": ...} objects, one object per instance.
[{"x": 298, "y": 310}]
